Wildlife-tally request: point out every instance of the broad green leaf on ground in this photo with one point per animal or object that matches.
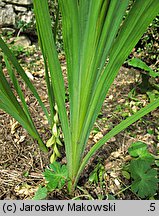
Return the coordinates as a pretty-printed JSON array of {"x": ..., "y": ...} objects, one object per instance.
[
  {"x": 56, "y": 176},
  {"x": 145, "y": 180},
  {"x": 135, "y": 62},
  {"x": 57, "y": 168},
  {"x": 41, "y": 193},
  {"x": 139, "y": 149}
]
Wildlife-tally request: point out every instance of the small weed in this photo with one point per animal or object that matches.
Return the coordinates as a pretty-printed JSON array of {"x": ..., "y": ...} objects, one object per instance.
[
  {"x": 148, "y": 82},
  {"x": 56, "y": 177},
  {"x": 142, "y": 170},
  {"x": 97, "y": 177}
]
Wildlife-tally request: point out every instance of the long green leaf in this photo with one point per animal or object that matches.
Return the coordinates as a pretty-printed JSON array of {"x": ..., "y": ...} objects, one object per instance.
[
  {"x": 102, "y": 44},
  {"x": 44, "y": 24},
  {"x": 69, "y": 9},
  {"x": 17, "y": 88},
  {"x": 22, "y": 73},
  {"x": 47, "y": 79},
  {"x": 132, "y": 29},
  {"x": 117, "y": 129},
  {"x": 97, "y": 42},
  {"x": 9, "y": 104}
]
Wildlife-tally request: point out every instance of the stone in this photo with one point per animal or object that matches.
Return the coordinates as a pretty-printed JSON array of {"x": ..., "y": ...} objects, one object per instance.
[
  {"x": 27, "y": 18},
  {"x": 7, "y": 16},
  {"x": 19, "y": 2},
  {"x": 2, "y": 4},
  {"x": 20, "y": 9},
  {"x": 22, "y": 41}
]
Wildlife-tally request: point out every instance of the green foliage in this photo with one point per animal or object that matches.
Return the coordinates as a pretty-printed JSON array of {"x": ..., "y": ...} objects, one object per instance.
[
  {"x": 145, "y": 181},
  {"x": 56, "y": 177},
  {"x": 97, "y": 178},
  {"x": 126, "y": 174},
  {"x": 96, "y": 42},
  {"x": 41, "y": 193},
  {"x": 147, "y": 47},
  {"x": 157, "y": 163},
  {"x": 110, "y": 197},
  {"x": 148, "y": 84},
  {"x": 17, "y": 50},
  {"x": 138, "y": 63},
  {"x": 97, "y": 174},
  {"x": 20, "y": 51},
  {"x": 23, "y": 26},
  {"x": 137, "y": 149}
]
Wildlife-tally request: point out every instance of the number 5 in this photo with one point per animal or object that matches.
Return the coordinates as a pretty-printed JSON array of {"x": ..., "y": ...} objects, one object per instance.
[{"x": 152, "y": 206}]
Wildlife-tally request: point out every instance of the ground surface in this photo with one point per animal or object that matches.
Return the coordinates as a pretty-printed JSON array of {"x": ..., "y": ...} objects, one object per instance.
[{"x": 22, "y": 163}]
